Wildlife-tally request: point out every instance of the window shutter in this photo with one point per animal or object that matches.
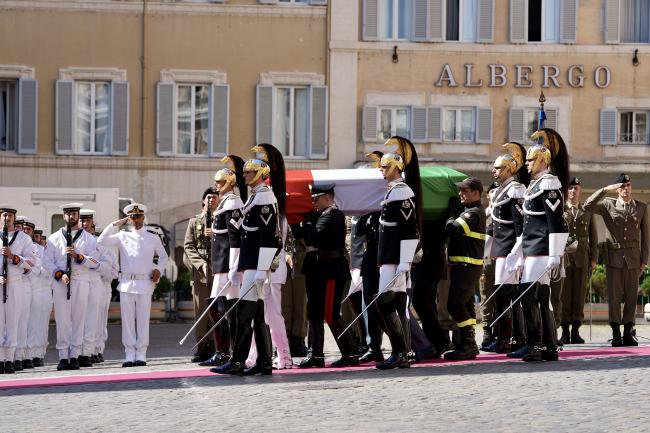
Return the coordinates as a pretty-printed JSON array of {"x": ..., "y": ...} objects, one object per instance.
[
  {"x": 370, "y": 123},
  {"x": 434, "y": 124},
  {"x": 516, "y": 125},
  {"x": 64, "y": 116},
  {"x": 318, "y": 121},
  {"x": 608, "y": 126},
  {"x": 612, "y": 12},
  {"x": 165, "y": 118},
  {"x": 219, "y": 110},
  {"x": 568, "y": 21},
  {"x": 420, "y": 19},
  {"x": 264, "y": 127},
  {"x": 483, "y": 125},
  {"x": 27, "y": 115},
  {"x": 437, "y": 20},
  {"x": 318, "y": 2},
  {"x": 518, "y": 20},
  {"x": 419, "y": 124},
  {"x": 268, "y": 2},
  {"x": 370, "y": 20},
  {"x": 120, "y": 117},
  {"x": 12, "y": 97},
  {"x": 551, "y": 118},
  {"x": 485, "y": 21}
]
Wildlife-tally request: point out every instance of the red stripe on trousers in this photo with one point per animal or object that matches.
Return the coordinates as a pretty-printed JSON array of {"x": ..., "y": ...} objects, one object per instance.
[{"x": 329, "y": 300}]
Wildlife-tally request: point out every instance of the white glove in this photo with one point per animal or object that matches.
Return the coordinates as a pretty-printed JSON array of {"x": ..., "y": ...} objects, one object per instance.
[
  {"x": 514, "y": 263},
  {"x": 260, "y": 277},
  {"x": 553, "y": 263},
  {"x": 403, "y": 268},
  {"x": 234, "y": 277}
]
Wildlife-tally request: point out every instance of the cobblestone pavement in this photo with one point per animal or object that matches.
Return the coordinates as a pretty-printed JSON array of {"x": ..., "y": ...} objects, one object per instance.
[{"x": 590, "y": 395}]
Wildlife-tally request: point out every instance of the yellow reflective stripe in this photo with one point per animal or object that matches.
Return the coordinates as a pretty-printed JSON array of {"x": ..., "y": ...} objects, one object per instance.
[
  {"x": 461, "y": 259},
  {"x": 468, "y": 322},
  {"x": 476, "y": 235},
  {"x": 463, "y": 224}
]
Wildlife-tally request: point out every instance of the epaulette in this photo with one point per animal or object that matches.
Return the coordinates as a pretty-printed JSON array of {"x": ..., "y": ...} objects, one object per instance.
[
  {"x": 399, "y": 192},
  {"x": 548, "y": 182},
  {"x": 231, "y": 202},
  {"x": 516, "y": 191},
  {"x": 264, "y": 196}
]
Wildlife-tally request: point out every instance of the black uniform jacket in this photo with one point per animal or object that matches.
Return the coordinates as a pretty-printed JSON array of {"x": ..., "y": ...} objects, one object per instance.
[
  {"x": 398, "y": 222},
  {"x": 225, "y": 231},
  {"x": 507, "y": 216},
  {"x": 467, "y": 235},
  {"x": 328, "y": 235},
  {"x": 369, "y": 226},
  {"x": 544, "y": 218},
  {"x": 259, "y": 228}
]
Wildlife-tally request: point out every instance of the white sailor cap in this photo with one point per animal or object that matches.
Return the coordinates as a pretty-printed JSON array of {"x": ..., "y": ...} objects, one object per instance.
[
  {"x": 71, "y": 207},
  {"x": 27, "y": 221},
  {"x": 38, "y": 230},
  {"x": 86, "y": 213},
  {"x": 135, "y": 209},
  {"x": 20, "y": 219},
  {"x": 8, "y": 208}
]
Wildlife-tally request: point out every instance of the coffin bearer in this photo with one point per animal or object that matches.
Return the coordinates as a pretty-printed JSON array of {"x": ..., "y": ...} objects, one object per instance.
[
  {"x": 16, "y": 252},
  {"x": 197, "y": 250},
  {"x": 465, "y": 256},
  {"x": 70, "y": 257},
  {"x": 138, "y": 276},
  {"x": 580, "y": 257},
  {"x": 627, "y": 252}
]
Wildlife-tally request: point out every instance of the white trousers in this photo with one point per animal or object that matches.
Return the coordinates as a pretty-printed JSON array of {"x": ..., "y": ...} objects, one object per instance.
[
  {"x": 96, "y": 296},
  {"x": 136, "y": 311},
  {"x": 356, "y": 285},
  {"x": 386, "y": 275},
  {"x": 534, "y": 267},
  {"x": 218, "y": 282},
  {"x": 248, "y": 279},
  {"x": 273, "y": 317},
  {"x": 39, "y": 322},
  {"x": 102, "y": 318},
  {"x": 9, "y": 320},
  {"x": 25, "y": 299},
  {"x": 501, "y": 274},
  {"x": 70, "y": 315}
]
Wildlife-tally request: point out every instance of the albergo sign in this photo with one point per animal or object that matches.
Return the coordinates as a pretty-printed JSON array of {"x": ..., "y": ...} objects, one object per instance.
[{"x": 522, "y": 76}]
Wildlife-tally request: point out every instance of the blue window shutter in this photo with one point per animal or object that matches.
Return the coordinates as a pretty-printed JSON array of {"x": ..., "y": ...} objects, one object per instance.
[
  {"x": 27, "y": 115},
  {"x": 219, "y": 118},
  {"x": 64, "y": 117},
  {"x": 120, "y": 117},
  {"x": 165, "y": 118}
]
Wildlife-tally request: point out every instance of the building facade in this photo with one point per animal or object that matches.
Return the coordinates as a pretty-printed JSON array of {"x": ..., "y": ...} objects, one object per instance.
[{"x": 147, "y": 96}]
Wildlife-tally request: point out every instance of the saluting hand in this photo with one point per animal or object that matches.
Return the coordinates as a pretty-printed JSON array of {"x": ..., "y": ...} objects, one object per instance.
[
  {"x": 613, "y": 187},
  {"x": 120, "y": 222}
]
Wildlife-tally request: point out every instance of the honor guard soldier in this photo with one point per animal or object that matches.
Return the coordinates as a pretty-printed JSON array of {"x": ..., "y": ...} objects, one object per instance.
[
  {"x": 138, "y": 277},
  {"x": 41, "y": 308},
  {"x": 355, "y": 293},
  {"x": 506, "y": 212},
  {"x": 398, "y": 241},
  {"x": 109, "y": 270},
  {"x": 70, "y": 257},
  {"x": 543, "y": 241},
  {"x": 229, "y": 184},
  {"x": 465, "y": 257},
  {"x": 580, "y": 257},
  {"x": 197, "y": 251},
  {"x": 32, "y": 273},
  {"x": 258, "y": 246},
  {"x": 17, "y": 252},
  {"x": 324, "y": 297},
  {"x": 626, "y": 252}
]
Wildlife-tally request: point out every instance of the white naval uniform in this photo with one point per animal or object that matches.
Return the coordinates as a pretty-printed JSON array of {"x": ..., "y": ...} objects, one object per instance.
[
  {"x": 70, "y": 314},
  {"x": 96, "y": 302},
  {"x": 41, "y": 308},
  {"x": 21, "y": 247},
  {"x": 136, "y": 249},
  {"x": 32, "y": 272},
  {"x": 109, "y": 269}
]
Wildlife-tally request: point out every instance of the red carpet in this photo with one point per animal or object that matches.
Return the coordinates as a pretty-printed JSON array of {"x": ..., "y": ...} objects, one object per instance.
[{"x": 10, "y": 382}]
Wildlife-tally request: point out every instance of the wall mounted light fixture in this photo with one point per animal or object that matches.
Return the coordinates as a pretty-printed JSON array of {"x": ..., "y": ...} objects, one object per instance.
[
  {"x": 635, "y": 59},
  {"x": 395, "y": 58}
]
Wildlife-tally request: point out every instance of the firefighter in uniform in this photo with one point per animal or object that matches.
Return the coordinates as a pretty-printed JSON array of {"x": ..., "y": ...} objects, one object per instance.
[
  {"x": 229, "y": 183},
  {"x": 465, "y": 257},
  {"x": 324, "y": 297},
  {"x": 197, "y": 251},
  {"x": 580, "y": 257},
  {"x": 539, "y": 251},
  {"x": 507, "y": 225},
  {"x": 258, "y": 246},
  {"x": 627, "y": 252},
  {"x": 398, "y": 241}
]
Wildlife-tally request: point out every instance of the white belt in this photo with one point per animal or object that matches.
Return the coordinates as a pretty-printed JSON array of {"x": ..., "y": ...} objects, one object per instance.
[
  {"x": 387, "y": 223},
  {"x": 311, "y": 249},
  {"x": 134, "y": 277},
  {"x": 250, "y": 229},
  {"x": 220, "y": 231}
]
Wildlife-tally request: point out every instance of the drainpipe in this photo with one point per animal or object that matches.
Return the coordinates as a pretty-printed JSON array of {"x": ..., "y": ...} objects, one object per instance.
[{"x": 143, "y": 71}]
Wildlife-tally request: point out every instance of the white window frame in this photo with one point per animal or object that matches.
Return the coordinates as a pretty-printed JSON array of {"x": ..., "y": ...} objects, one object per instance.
[
  {"x": 393, "y": 118},
  {"x": 192, "y": 153},
  {"x": 634, "y": 141},
  {"x": 458, "y": 110},
  {"x": 292, "y": 2},
  {"x": 77, "y": 150},
  {"x": 292, "y": 118},
  {"x": 395, "y": 23},
  {"x": 461, "y": 13},
  {"x": 11, "y": 115},
  {"x": 543, "y": 25}
]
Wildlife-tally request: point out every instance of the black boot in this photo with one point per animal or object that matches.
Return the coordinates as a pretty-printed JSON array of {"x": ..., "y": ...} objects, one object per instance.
[
  {"x": 2, "y": 367},
  {"x": 488, "y": 340},
  {"x": 216, "y": 360},
  {"x": 263, "y": 364},
  {"x": 297, "y": 346},
  {"x": 346, "y": 343},
  {"x": 37, "y": 362},
  {"x": 9, "y": 367},
  {"x": 396, "y": 360},
  {"x": 74, "y": 364},
  {"x": 537, "y": 354},
  {"x": 374, "y": 354},
  {"x": 617, "y": 341},
  {"x": 230, "y": 367},
  {"x": 100, "y": 358},
  {"x": 28, "y": 364},
  {"x": 629, "y": 335},
  {"x": 84, "y": 361},
  {"x": 566, "y": 334},
  {"x": 315, "y": 356},
  {"x": 18, "y": 365},
  {"x": 467, "y": 349},
  {"x": 575, "y": 334}
]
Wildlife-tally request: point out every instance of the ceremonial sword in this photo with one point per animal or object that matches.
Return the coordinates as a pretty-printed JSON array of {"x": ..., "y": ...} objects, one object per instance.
[
  {"x": 497, "y": 289},
  {"x": 204, "y": 313},
  {"x": 519, "y": 297}
]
